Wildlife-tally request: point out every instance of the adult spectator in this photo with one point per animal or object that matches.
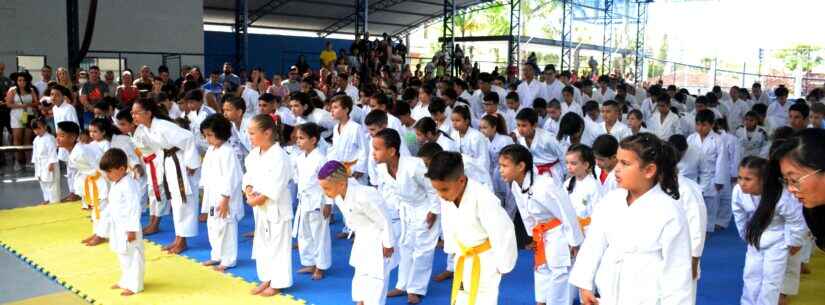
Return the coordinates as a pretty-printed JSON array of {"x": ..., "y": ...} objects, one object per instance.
[
  {"x": 228, "y": 76},
  {"x": 291, "y": 83},
  {"x": 5, "y": 84},
  {"x": 214, "y": 85},
  {"x": 109, "y": 79},
  {"x": 302, "y": 65},
  {"x": 45, "y": 78},
  {"x": 127, "y": 93},
  {"x": 92, "y": 92},
  {"x": 22, "y": 99},
  {"x": 328, "y": 55},
  {"x": 144, "y": 83}
]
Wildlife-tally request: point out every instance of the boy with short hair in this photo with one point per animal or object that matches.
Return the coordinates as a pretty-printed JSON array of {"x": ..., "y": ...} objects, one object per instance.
[
  {"x": 605, "y": 148},
  {"x": 752, "y": 138},
  {"x": 551, "y": 124},
  {"x": 441, "y": 115},
  {"x": 713, "y": 161},
  {"x": 546, "y": 150},
  {"x": 126, "y": 238}
]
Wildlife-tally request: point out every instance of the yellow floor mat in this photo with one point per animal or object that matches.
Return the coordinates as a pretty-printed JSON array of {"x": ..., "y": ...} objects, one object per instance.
[
  {"x": 812, "y": 286},
  {"x": 48, "y": 238}
]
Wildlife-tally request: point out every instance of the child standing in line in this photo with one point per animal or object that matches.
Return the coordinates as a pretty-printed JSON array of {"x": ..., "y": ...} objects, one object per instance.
[
  {"x": 312, "y": 224},
  {"x": 265, "y": 183},
  {"x": 44, "y": 158},
  {"x": 127, "y": 236},
  {"x": 582, "y": 184},
  {"x": 222, "y": 198}
]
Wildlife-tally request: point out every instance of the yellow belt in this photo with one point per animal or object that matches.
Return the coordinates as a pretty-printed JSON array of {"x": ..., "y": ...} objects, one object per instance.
[
  {"x": 92, "y": 200},
  {"x": 473, "y": 253}
]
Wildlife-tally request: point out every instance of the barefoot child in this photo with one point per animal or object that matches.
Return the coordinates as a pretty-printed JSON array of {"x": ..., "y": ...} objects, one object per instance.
[
  {"x": 268, "y": 171},
  {"x": 401, "y": 179},
  {"x": 221, "y": 181},
  {"x": 365, "y": 213},
  {"x": 126, "y": 237},
  {"x": 476, "y": 228},
  {"x": 551, "y": 220},
  {"x": 44, "y": 158},
  {"x": 312, "y": 224},
  {"x": 150, "y": 167},
  {"x": 642, "y": 215},
  {"x": 180, "y": 159}
]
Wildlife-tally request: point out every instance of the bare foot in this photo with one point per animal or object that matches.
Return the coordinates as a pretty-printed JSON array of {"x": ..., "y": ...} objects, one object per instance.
[
  {"x": 43, "y": 203},
  {"x": 342, "y": 235},
  {"x": 440, "y": 244},
  {"x": 126, "y": 292},
  {"x": 250, "y": 234},
  {"x": 805, "y": 269},
  {"x": 295, "y": 246},
  {"x": 70, "y": 197},
  {"x": 443, "y": 276},
  {"x": 318, "y": 274},
  {"x": 210, "y": 263},
  {"x": 178, "y": 249},
  {"x": 115, "y": 286},
  {"x": 96, "y": 240},
  {"x": 202, "y": 217},
  {"x": 87, "y": 239},
  {"x": 169, "y": 246},
  {"x": 307, "y": 269},
  {"x": 268, "y": 292},
  {"x": 530, "y": 246},
  {"x": 151, "y": 229},
  {"x": 413, "y": 298},
  {"x": 259, "y": 289},
  {"x": 220, "y": 268},
  {"x": 395, "y": 293},
  {"x": 783, "y": 299}
]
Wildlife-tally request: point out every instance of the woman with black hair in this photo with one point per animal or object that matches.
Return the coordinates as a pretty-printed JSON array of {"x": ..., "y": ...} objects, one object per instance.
[
  {"x": 637, "y": 249},
  {"x": 21, "y": 99},
  {"x": 305, "y": 111},
  {"x": 180, "y": 160},
  {"x": 769, "y": 220},
  {"x": 799, "y": 163}
]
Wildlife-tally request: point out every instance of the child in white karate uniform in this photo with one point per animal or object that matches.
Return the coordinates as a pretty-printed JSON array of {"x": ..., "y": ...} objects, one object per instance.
[
  {"x": 713, "y": 166},
  {"x": 222, "y": 197},
  {"x": 265, "y": 183},
  {"x": 772, "y": 226},
  {"x": 44, "y": 158},
  {"x": 365, "y": 212},
  {"x": 637, "y": 249},
  {"x": 546, "y": 210},
  {"x": 582, "y": 185},
  {"x": 495, "y": 130},
  {"x": 311, "y": 226},
  {"x": 126, "y": 237}
]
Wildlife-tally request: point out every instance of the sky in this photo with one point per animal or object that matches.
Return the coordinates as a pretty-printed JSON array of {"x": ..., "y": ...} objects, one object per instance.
[{"x": 734, "y": 29}]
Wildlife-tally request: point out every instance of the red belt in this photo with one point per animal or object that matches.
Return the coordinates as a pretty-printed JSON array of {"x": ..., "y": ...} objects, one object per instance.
[
  {"x": 149, "y": 160},
  {"x": 547, "y": 167}
]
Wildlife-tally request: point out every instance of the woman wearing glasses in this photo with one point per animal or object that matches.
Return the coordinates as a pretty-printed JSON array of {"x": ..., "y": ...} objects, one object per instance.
[{"x": 800, "y": 164}]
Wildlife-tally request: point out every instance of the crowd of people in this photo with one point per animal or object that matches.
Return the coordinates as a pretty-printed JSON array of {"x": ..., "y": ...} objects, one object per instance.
[{"x": 615, "y": 187}]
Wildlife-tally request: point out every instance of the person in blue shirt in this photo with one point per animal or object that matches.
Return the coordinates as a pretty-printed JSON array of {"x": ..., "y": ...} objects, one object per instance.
[{"x": 214, "y": 85}]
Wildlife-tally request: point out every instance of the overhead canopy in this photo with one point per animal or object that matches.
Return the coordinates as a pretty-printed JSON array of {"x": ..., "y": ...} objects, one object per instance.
[{"x": 331, "y": 16}]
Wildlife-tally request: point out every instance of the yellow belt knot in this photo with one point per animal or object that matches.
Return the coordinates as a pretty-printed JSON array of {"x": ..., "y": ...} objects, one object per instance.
[
  {"x": 92, "y": 199},
  {"x": 473, "y": 253}
]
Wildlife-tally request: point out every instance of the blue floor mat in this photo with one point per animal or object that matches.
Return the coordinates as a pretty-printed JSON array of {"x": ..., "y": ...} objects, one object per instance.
[{"x": 720, "y": 282}]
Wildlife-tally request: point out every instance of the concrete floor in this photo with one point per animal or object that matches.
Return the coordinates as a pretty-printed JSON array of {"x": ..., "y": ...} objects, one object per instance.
[{"x": 19, "y": 281}]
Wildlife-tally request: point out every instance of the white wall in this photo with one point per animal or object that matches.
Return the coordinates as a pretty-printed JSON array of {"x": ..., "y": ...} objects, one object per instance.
[{"x": 38, "y": 27}]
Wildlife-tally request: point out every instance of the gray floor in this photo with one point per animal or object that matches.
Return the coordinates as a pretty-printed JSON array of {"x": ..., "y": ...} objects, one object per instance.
[{"x": 19, "y": 281}]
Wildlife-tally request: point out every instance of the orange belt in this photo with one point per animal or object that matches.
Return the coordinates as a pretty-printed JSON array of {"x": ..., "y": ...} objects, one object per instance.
[
  {"x": 538, "y": 239},
  {"x": 149, "y": 160},
  {"x": 92, "y": 198},
  {"x": 547, "y": 167},
  {"x": 584, "y": 222}
]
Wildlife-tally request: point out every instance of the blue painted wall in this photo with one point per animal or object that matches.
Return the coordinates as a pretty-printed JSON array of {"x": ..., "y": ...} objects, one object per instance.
[{"x": 273, "y": 53}]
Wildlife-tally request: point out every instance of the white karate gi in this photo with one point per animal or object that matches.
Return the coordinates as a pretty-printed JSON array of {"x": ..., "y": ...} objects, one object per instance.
[
  {"x": 447, "y": 143},
  {"x": 152, "y": 158},
  {"x": 416, "y": 198},
  {"x": 125, "y": 210},
  {"x": 473, "y": 145},
  {"x": 44, "y": 153},
  {"x": 765, "y": 267},
  {"x": 546, "y": 150},
  {"x": 250, "y": 97},
  {"x": 637, "y": 254},
  {"x": 693, "y": 206},
  {"x": 348, "y": 145},
  {"x": 733, "y": 156},
  {"x": 752, "y": 143},
  {"x": 528, "y": 92},
  {"x": 540, "y": 200},
  {"x": 195, "y": 120},
  {"x": 310, "y": 226},
  {"x": 713, "y": 170},
  {"x": 672, "y": 125},
  {"x": 735, "y": 113},
  {"x": 573, "y": 107},
  {"x": 164, "y": 135},
  {"x": 600, "y": 97},
  {"x": 779, "y": 113},
  {"x": 477, "y": 219},
  {"x": 222, "y": 175},
  {"x": 420, "y": 111},
  {"x": 318, "y": 116},
  {"x": 584, "y": 195},
  {"x": 790, "y": 284},
  {"x": 618, "y": 131},
  {"x": 553, "y": 91},
  {"x": 85, "y": 158},
  {"x": 268, "y": 173},
  {"x": 365, "y": 213}
]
